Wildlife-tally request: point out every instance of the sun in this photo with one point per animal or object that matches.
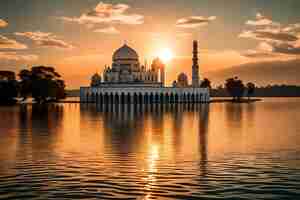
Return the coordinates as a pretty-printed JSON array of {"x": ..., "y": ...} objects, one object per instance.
[{"x": 165, "y": 55}]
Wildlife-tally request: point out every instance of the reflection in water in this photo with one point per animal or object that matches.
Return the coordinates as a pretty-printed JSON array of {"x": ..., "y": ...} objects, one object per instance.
[
  {"x": 153, "y": 140},
  {"x": 73, "y": 151}
]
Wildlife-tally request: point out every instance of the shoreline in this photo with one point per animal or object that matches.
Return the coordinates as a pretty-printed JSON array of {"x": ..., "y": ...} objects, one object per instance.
[
  {"x": 231, "y": 101},
  {"x": 216, "y": 100},
  {"x": 211, "y": 101},
  {"x": 219, "y": 100}
]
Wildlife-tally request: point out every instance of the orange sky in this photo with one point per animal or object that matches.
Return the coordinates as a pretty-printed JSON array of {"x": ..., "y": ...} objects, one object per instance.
[{"x": 80, "y": 39}]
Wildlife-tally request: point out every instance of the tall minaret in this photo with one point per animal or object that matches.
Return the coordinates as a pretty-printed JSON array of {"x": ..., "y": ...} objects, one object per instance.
[{"x": 195, "y": 67}]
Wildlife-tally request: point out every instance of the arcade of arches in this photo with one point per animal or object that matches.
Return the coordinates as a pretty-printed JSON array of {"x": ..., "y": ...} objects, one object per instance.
[{"x": 110, "y": 97}]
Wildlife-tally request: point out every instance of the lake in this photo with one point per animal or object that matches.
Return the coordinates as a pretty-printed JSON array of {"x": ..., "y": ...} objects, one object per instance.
[{"x": 216, "y": 151}]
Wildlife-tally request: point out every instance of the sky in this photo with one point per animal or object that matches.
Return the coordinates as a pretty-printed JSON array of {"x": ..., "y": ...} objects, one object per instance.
[{"x": 78, "y": 37}]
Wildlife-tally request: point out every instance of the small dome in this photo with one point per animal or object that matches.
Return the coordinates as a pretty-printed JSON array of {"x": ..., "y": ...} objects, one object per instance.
[
  {"x": 96, "y": 76},
  {"x": 182, "y": 77},
  {"x": 124, "y": 53}
]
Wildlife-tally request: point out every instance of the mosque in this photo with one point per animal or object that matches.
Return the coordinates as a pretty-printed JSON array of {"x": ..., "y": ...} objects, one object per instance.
[{"x": 126, "y": 81}]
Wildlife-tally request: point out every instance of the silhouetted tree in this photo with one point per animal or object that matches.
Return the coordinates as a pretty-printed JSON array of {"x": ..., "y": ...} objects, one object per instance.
[
  {"x": 250, "y": 89},
  {"x": 205, "y": 83},
  {"x": 235, "y": 88},
  {"x": 25, "y": 83},
  {"x": 8, "y": 87},
  {"x": 42, "y": 83}
]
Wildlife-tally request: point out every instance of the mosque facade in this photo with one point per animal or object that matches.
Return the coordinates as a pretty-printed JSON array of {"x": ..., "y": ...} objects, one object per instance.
[{"x": 127, "y": 81}]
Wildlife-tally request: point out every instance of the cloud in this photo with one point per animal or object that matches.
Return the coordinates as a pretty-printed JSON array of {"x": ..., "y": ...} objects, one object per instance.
[
  {"x": 194, "y": 21},
  {"x": 292, "y": 28},
  {"x": 275, "y": 40},
  {"x": 287, "y": 49},
  {"x": 105, "y": 13},
  {"x": 279, "y": 51},
  {"x": 259, "y": 54},
  {"x": 262, "y": 21},
  {"x": 269, "y": 35},
  {"x": 6, "y": 43},
  {"x": 109, "y": 30},
  {"x": 45, "y": 39},
  {"x": 3, "y": 23},
  {"x": 14, "y": 56}
]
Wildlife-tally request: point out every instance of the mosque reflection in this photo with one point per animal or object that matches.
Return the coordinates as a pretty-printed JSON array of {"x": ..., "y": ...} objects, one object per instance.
[
  {"x": 155, "y": 139},
  {"x": 173, "y": 129}
]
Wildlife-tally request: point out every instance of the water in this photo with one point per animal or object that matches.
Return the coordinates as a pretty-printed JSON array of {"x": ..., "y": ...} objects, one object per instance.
[{"x": 220, "y": 151}]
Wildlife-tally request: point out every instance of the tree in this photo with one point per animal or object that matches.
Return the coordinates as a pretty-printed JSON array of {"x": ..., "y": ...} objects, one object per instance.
[
  {"x": 25, "y": 83},
  {"x": 250, "y": 89},
  {"x": 8, "y": 87},
  {"x": 235, "y": 88},
  {"x": 205, "y": 83},
  {"x": 42, "y": 83}
]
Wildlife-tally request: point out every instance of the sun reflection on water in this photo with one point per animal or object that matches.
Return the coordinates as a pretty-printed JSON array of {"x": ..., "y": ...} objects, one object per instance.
[{"x": 153, "y": 156}]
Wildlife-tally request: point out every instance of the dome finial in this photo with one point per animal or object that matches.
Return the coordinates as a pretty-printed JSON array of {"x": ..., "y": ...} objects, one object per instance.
[{"x": 125, "y": 52}]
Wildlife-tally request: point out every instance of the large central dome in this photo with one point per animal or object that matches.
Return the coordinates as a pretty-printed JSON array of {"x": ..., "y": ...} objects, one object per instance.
[{"x": 125, "y": 53}]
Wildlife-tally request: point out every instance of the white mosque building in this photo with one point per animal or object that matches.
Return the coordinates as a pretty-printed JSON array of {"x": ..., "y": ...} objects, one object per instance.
[{"x": 129, "y": 82}]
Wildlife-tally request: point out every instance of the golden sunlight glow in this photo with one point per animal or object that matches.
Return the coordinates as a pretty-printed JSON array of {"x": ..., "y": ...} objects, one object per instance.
[{"x": 165, "y": 55}]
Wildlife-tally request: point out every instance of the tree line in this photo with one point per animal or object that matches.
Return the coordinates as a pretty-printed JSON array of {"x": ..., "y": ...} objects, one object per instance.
[
  {"x": 42, "y": 83},
  {"x": 263, "y": 91},
  {"x": 234, "y": 87}
]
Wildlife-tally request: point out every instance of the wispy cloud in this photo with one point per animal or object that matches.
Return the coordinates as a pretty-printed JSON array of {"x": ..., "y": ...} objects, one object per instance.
[
  {"x": 14, "y": 56},
  {"x": 6, "y": 43},
  {"x": 262, "y": 20},
  {"x": 108, "y": 30},
  {"x": 194, "y": 21},
  {"x": 292, "y": 28},
  {"x": 269, "y": 35},
  {"x": 275, "y": 39},
  {"x": 45, "y": 39},
  {"x": 105, "y": 13},
  {"x": 3, "y": 23}
]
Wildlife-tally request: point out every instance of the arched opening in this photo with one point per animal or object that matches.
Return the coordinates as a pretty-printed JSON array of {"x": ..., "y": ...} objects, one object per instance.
[
  {"x": 172, "y": 99},
  {"x": 146, "y": 98},
  {"x": 176, "y": 98},
  {"x": 101, "y": 98},
  {"x": 197, "y": 98},
  {"x": 161, "y": 98},
  {"x": 117, "y": 100},
  {"x": 184, "y": 97},
  {"x": 193, "y": 98},
  {"x": 111, "y": 98},
  {"x": 156, "y": 98},
  {"x": 151, "y": 99},
  {"x": 128, "y": 99},
  {"x": 167, "y": 98},
  {"x": 140, "y": 98},
  {"x": 105, "y": 98},
  {"x": 123, "y": 98},
  {"x": 135, "y": 98},
  {"x": 188, "y": 98}
]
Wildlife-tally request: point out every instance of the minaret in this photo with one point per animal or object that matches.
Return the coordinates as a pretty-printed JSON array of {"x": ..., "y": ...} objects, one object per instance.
[
  {"x": 162, "y": 75},
  {"x": 195, "y": 67}
]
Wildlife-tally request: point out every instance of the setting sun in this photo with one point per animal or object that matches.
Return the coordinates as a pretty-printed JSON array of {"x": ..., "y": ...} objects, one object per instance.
[{"x": 165, "y": 55}]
